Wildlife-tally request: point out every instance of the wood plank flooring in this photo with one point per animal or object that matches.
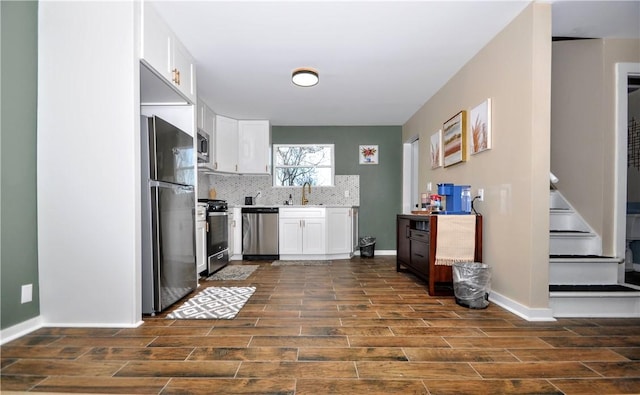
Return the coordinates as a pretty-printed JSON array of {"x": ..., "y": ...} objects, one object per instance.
[{"x": 352, "y": 327}]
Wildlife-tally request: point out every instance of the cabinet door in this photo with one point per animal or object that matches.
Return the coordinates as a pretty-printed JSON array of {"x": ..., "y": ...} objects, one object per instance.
[
  {"x": 225, "y": 146},
  {"x": 183, "y": 70},
  {"x": 403, "y": 248},
  {"x": 254, "y": 147},
  {"x": 355, "y": 241},
  {"x": 339, "y": 230},
  {"x": 201, "y": 246},
  {"x": 156, "y": 42},
  {"x": 237, "y": 215},
  {"x": 314, "y": 236},
  {"x": 290, "y": 236},
  {"x": 231, "y": 224},
  {"x": 420, "y": 257}
]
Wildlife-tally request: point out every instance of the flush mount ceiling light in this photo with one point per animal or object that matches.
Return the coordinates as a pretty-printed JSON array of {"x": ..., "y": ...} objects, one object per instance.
[{"x": 305, "y": 76}]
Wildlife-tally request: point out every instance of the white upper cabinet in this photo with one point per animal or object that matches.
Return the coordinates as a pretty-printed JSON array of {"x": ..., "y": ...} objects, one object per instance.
[
  {"x": 183, "y": 70},
  {"x": 254, "y": 147},
  {"x": 162, "y": 51},
  {"x": 225, "y": 145},
  {"x": 206, "y": 118}
]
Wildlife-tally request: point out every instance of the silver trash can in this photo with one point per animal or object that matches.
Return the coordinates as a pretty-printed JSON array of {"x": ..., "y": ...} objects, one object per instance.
[
  {"x": 367, "y": 246},
  {"x": 471, "y": 284}
]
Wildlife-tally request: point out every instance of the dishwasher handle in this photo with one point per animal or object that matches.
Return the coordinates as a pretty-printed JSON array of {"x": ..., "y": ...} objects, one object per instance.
[{"x": 260, "y": 210}]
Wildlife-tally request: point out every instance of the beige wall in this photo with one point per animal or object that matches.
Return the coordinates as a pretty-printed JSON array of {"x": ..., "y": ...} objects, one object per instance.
[
  {"x": 583, "y": 126},
  {"x": 514, "y": 70}
]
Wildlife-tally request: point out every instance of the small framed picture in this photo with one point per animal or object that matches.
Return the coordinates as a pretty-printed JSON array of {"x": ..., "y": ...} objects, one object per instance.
[
  {"x": 436, "y": 149},
  {"x": 480, "y": 127},
  {"x": 368, "y": 154}
]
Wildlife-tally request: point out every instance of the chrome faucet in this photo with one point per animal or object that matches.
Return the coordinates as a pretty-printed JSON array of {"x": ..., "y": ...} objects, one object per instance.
[{"x": 304, "y": 197}]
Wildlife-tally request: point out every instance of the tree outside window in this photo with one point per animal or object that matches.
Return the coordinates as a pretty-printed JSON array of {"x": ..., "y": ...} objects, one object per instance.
[{"x": 294, "y": 165}]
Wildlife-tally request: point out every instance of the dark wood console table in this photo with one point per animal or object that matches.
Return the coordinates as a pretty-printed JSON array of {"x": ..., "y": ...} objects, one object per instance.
[{"x": 416, "y": 251}]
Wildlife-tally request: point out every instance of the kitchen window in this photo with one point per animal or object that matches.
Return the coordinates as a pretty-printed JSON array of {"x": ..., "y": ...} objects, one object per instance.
[{"x": 296, "y": 164}]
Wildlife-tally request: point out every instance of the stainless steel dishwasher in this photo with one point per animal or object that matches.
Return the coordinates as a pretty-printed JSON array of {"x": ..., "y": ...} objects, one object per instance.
[{"x": 260, "y": 233}]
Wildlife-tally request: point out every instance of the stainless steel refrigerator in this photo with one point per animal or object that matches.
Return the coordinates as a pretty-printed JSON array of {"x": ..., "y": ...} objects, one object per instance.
[{"x": 168, "y": 214}]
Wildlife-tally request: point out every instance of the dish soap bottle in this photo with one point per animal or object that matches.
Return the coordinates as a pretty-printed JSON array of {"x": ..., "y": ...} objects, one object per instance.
[{"x": 290, "y": 200}]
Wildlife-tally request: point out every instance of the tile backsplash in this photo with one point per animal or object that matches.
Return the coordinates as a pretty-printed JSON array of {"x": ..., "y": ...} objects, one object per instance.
[{"x": 233, "y": 189}]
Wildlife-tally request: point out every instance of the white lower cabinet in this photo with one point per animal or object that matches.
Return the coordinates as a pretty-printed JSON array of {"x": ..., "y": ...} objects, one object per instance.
[
  {"x": 231, "y": 225},
  {"x": 235, "y": 234},
  {"x": 354, "y": 230},
  {"x": 318, "y": 232},
  {"x": 302, "y": 231},
  {"x": 201, "y": 246},
  {"x": 339, "y": 225}
]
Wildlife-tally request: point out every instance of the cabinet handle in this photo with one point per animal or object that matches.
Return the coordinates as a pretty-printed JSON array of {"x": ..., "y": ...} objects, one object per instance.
[
  {"x": 406, "y": 231},
  {"x": 421, "y": 256},
  {"x": 175, "y": 76},
  {"x": 207, "y": 227}
]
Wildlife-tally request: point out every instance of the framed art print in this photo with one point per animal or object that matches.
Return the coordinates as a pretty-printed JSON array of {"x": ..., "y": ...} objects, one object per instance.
[
  {"x": 480, "y": 127},
  {"x": 454, "y": 139},
  {"x": 368, "y": 154},
  {"x": 436, "y": 149}
]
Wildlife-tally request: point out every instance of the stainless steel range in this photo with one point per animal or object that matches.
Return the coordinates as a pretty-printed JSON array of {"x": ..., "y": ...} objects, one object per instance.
[{"x": 217, "y": 235}]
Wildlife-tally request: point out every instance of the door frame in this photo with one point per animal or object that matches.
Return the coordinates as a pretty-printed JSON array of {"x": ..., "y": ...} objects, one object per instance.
[
  {"x": 410, "y": 163},
  {"x": 623, "y": 71}
]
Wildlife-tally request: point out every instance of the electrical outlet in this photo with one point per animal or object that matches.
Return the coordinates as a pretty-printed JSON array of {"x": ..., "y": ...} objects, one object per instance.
[
  {"x": 481, "y": 194},
  {"x": 429, "y": 185},
  {"x": 346, "y": 193},
  {"x": 27, "y": 293}
]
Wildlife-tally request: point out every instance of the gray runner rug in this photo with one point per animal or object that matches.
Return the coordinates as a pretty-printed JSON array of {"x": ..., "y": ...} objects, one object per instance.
[
  {"x": 233, "y": 272},
  {"x": 213, "y": 303}
]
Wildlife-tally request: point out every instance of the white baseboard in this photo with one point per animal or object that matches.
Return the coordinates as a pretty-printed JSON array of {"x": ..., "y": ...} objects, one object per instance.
[
  {"x": 529, "y": 314},
  {"x": 21, "y": 329},
  {"x": 378, "y": 252},
  {"x": 92, "y": 325},
  {"x": 26, "y": 327}
]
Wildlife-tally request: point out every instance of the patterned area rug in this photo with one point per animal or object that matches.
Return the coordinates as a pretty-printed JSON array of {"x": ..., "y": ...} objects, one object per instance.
[
  {"x": 299, "y": 263},
  {"x": 214, "y": 303},
  {"x": 233, "y": 272}
]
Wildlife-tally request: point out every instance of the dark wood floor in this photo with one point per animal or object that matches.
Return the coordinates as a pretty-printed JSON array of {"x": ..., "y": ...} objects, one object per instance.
[{"x": 353, "y": 327}]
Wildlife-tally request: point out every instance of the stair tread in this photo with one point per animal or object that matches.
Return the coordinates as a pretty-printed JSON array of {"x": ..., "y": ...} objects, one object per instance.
[
  {"x": 592, "y": 288},
  {"x": 568, "y": 231},
  {"x": 583, "y": 258}
]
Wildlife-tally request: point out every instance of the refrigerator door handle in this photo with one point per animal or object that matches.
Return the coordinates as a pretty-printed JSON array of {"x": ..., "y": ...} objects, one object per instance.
[{"x": 157, "y": 242}]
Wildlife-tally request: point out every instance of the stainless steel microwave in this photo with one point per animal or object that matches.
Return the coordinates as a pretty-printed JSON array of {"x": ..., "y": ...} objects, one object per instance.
[{"x": 203, "y": 146}]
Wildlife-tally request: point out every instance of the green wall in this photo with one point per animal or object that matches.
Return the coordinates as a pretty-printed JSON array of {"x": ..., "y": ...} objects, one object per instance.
[
  {"x": 380, "y": 185},
  {"x": 18, "y": 216}
]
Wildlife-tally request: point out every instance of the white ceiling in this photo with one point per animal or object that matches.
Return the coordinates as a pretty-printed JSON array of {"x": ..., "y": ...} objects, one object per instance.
[{"x": 379, "y": 61}]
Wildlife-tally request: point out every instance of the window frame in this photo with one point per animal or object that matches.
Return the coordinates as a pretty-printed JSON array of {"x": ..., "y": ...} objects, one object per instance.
[{"x": 332, "y": 166}]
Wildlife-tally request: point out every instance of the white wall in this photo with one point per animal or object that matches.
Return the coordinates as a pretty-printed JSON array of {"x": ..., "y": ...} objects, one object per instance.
[{"x": 88, "y": 170}]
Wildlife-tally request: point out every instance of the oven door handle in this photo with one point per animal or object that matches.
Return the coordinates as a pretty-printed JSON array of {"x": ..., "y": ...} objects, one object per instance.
[{"x": 218, "y": 213}]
